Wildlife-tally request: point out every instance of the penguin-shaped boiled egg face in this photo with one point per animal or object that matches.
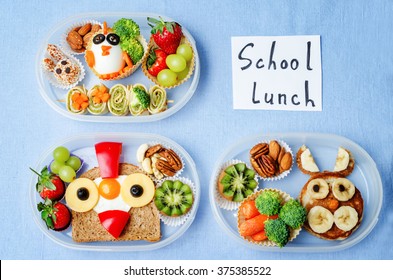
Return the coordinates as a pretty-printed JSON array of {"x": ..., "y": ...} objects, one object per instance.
[{"x": 108, "y": 55}]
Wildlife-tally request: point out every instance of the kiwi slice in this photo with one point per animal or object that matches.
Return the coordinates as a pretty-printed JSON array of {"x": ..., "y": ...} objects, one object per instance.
[
  {"x": 173, "y": 198},
  {"x": 237, "y": 182}
]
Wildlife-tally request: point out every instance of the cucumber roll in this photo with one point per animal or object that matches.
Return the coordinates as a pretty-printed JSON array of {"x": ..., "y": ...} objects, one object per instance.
[
  {"x": 118, "y": 101},
  {"x": 77, "y": 100},
  {"x": 139, "y": 99},
  {"x": 98, "y": 99},
  {"x": 158, "y": 102}
]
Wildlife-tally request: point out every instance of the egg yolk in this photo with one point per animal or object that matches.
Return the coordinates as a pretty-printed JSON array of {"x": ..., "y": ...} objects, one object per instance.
[{"x": 109, "y": 188}]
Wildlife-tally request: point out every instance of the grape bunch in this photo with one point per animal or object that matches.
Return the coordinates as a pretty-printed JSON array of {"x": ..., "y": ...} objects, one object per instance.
[{"x": 64, "y": 164}]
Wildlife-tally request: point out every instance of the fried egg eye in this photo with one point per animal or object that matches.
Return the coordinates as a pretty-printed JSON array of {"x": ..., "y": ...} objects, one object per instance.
[
  {"x": 82, "y": 195},
  {"x": 137, "y": 190},
  {"x": 113, "y": 39},
  {"x": 99, "y": 38},
  {"x": 109, "y": 188}
]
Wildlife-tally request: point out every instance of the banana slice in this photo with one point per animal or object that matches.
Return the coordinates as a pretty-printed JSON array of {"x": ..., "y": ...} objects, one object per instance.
[
  {"x": 318, "y": 189},
  {"x": 307, "y": 161},
  {"x": 346, "y": 218},
  {"x": 320, "y": 219},
  {"x": 343, "y": 189},
  {"x": 342, "y": 160}
]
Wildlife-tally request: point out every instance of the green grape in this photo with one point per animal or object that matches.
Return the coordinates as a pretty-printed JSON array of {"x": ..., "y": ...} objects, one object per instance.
[
  {"x": 181, "y": 75},
  {"x": 67, "y": 174},
  {"x": 61, "y": 154},
  {"x": 167, "y": 78},
  {"x": 185, "y": 51},
  {"x": 74, "y": 162},
  {"x": 55, "y": 166},
  {"x": 176, "y": 62}
]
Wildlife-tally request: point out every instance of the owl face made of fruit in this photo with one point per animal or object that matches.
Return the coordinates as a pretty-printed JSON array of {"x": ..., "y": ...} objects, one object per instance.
[
  {"x": 111, "y": 195},
  {"x": 334, "y": 205}
]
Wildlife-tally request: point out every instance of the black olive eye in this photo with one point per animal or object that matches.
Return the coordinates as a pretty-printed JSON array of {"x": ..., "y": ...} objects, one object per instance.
[
  {"x": 113, "y": 39},
  {"x": 99, "y": 38},
  {"x": 64, "y": 62},
  {"x": 83, "y": 194},
  {"x": 136, "y": 190},
  {"x": 68, "y": 70},
  {"x": 58, "y": 71}
]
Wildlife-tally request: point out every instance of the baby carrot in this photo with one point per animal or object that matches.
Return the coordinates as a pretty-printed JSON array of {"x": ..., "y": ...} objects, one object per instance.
[
  {"x": 253, "y": 226},
  {"x": 259, "y": 236},
  {"x": 249, "y": 210}
]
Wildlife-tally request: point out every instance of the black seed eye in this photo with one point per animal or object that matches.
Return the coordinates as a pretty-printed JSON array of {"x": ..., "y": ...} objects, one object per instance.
[
  {"x": 315, "y": 188},
  {"x": 58, "y": 71},
  {"x": 68, "y": 70},
  {"x": 83, "y": 193},
  {"x": 64, "y": 62},
  {"x": 99, "y": 38},
  {"x": 113, "y": 39},
  {"x": 136, "y": 190}
]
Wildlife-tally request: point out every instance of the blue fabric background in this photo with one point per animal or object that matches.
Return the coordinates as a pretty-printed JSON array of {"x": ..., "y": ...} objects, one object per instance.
[{"x": 357, "y": 56}]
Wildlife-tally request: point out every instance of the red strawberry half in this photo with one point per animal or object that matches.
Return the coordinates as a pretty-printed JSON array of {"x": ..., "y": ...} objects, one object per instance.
[
  {"x": 55, "y": 214},
  {"x": 49, "y": 185},
  {"x": 166, "y": 35}
]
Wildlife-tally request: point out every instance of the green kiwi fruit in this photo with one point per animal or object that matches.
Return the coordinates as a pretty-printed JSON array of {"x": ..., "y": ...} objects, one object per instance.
[
  {"x": 173, "y": 198},
  {"x": 237, "y": 182}
]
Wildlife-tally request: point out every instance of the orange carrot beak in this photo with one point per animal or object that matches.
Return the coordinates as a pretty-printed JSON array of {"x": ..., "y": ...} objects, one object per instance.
[{"x": 105, "y": 50}]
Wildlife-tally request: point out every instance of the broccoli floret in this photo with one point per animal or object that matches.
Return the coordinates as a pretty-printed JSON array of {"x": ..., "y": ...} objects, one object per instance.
[
  {"x": 293, "y": 214},
  {"x": 141, "y": 97},
  {"x": 126, "y": 28},
  {"x": 277, "y": 231},
  {"x": 134, "y": 49},
  {"x": 268, "y": 203}
]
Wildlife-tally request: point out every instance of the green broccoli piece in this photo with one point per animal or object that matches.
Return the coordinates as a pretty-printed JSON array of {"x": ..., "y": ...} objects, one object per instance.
[
  {"x": 126, "y": 28},
  {"x": 141, "y": 97},
  {"x": 293, "y": 214},
  {"x": 277, "y": 231},
  {"x": 134, "y": 49},
  {"x": 268, "y": 203}
]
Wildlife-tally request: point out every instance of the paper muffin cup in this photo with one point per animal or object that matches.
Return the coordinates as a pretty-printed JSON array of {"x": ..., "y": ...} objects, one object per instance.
[
  {"x": 178, "y": 173},
  {"x": 268, "y": 243},
  {"x": 178, "y": 221},
  {"x": 131, "y": 70},
  {"x": 64, "y": 42},
  {"x": 222, "y": 202},
  {"x": 51, "y": 77},
  {"x": 286, "y": 172},
  {"x": 191, "y": 63}
]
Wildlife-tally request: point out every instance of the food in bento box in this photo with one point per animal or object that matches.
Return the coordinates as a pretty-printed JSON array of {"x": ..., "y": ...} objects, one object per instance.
[
  {"x": 159, "y": 161},
  {"x": 236, "y": 182},
  {"x": 173, "y": 198},
  {"x": 271, "y": 159},
  {"x": 98, "y": 98},
  {"x": 77, "y": 100},
  {"x": 65, "y": 69},
  {"x": 334, "y": 205},
  {"x": 158, "y": 99},
  {"x": 116, "y": 53},
  {"x": 171, "y": 58},
  {"x": 79, "y": 36},
  {"x": 139, "y": 99},
  {"x": 270, "y": 217},
  {"x": 113, "y": 201}
]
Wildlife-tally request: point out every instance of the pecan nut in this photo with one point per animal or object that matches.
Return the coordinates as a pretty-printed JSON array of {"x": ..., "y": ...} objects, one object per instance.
[
  {"x": 75, "y": 40},
  {"x": 84, "y": 29},
  {"x": 165, "y": 168},
  {"x": 172, "y": 158},
  {"x": 153, "y": 150},
  {"x": 259, "y": 149}
]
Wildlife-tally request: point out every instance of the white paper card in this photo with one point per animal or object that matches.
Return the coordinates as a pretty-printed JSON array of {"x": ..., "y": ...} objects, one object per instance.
[{"x": 277, "y": 73}]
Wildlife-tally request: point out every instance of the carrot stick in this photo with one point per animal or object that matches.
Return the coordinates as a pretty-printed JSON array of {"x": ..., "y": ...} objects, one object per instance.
[
  {"x": 249, "y": 210},
  {"x": 253, "y": 226},
  {"x": 259, "y": 236}
]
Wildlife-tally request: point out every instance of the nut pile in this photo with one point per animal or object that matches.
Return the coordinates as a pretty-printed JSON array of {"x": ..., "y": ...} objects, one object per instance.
[
  {"x": 79, "y": 37},
  {"x": 271, "y": 159},
  {"x": 159, "y": 161}
]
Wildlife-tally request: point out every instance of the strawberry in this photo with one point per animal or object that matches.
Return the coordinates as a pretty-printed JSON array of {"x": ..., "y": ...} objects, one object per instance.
[
  {"x": 166, "y": 35},
  {"x": 156, "y": 62},
  {"x": 49, "y": 185},
  {"x": 55, "y": 214}
]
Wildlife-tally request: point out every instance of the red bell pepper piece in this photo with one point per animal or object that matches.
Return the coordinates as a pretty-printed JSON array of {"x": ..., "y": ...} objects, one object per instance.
[
  {"x": 108, "y": 156},
  {"x": 114, "y": 221}
]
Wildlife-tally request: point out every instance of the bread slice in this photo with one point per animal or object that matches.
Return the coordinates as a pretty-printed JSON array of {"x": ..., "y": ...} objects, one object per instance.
[{"x": 144, "y": 223}]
